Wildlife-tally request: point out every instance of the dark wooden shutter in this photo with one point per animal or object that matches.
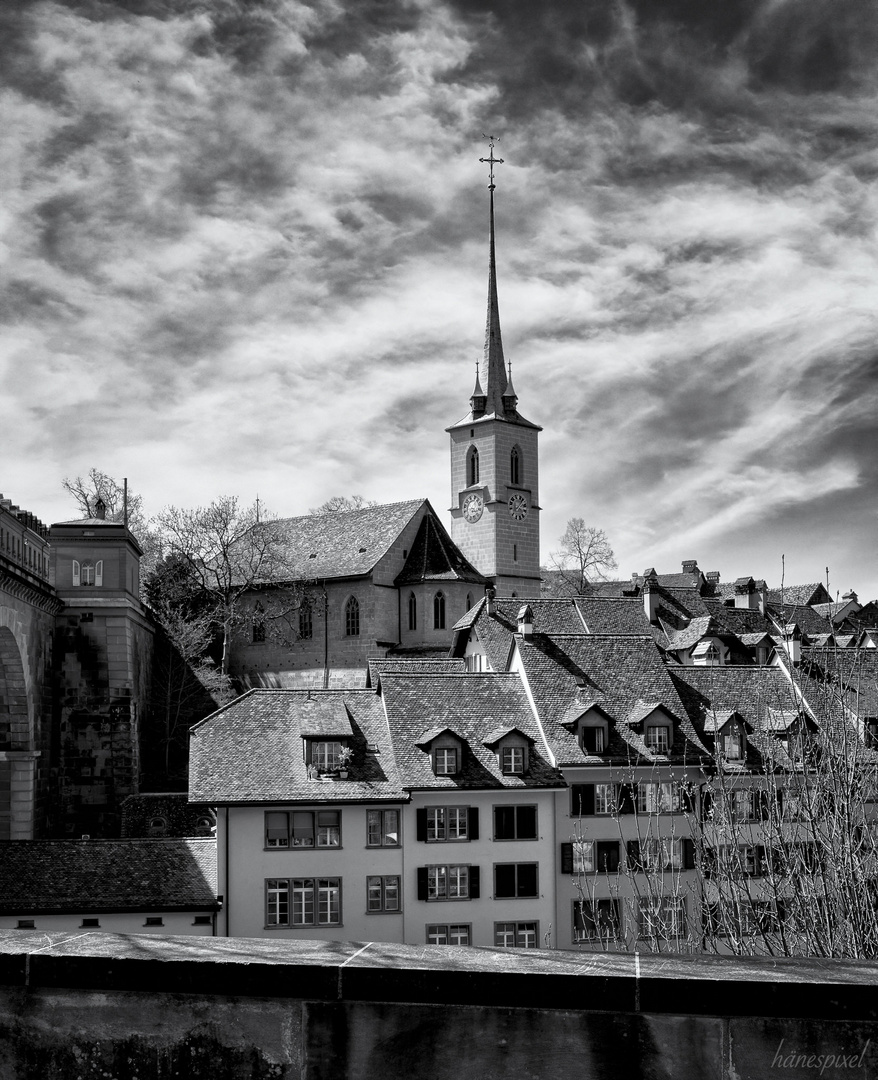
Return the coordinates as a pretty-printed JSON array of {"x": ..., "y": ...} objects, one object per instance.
[
  {"x": 687, "y": 797},
  {"x": 473, "y": 822},
  {"x": 422, "y": 882},
  {"x": 567, "y": 858},
  {"x": 627, "y": 797},
  {"x": 706, "y": 804},
  {"x": 474, "y": 883},
  {"x": 422, "y": 823},
  {"x": 633, "y": 854},
  {"x": 608, "y": 856},
  {"x": 688, "y": 854},
  {"x": 582, "y": 800}
]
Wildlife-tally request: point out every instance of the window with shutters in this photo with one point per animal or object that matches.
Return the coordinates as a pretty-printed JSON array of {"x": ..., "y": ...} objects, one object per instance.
[
  {"x": 597, "y": 920},
  {"x": 660, "y": 853},
  {"x": 590, "y": 799},
  {"x": 515, "y": 880},
  {"x": 517, "y": 935},
  {"x": 382, "y": 893},
  {"x": 447, "y": 824},
  {"x": 515, "y": 822},
  {"x": 447, "y": 882},
  {"x": 658, "y": 798},
  {"x": 382, "y": 828},
  {"x": 449, "y": 934},
  {"x": 590, "y": 857},
  {"x": 88, "y": 572}
]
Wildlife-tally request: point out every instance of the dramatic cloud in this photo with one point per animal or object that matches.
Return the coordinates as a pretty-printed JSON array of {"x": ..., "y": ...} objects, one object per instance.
[{"x": 242, "y": 249}]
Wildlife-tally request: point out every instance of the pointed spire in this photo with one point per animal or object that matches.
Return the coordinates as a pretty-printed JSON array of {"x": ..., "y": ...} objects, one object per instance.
[
  {"x": 510, "y": 398},
  {"x": 494, "y": 365},
  {"x": 477, "y": 398}
]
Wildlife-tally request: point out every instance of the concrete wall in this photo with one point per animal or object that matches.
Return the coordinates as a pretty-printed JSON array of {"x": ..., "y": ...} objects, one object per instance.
[{"x": 152, "y": 1009}]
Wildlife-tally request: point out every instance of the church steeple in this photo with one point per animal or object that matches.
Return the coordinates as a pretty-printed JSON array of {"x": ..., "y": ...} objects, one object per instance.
[{"x": 494, "y": 365}]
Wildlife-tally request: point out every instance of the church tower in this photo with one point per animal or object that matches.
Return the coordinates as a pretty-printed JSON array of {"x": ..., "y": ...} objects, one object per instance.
[{"x": 494, "y": 464}]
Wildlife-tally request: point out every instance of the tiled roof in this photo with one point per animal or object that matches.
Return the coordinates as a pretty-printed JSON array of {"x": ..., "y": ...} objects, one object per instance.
[
  {"x": 815, "y": 593},
  {"x": 107, "y": 875},
  {"x": 400, "y": 665},
  {"x": 617, "y": 673},
  {"x": 345, "y": 543},
  {"x": 739, "y": 621},
  {"x": 807, "y": 619},
  {"x": 612, "y": 615},
  {"x": 690, "y": 635},
  {"x": 252, "y": 750},
  {"x": 435, "y": 557},
  {"x": 472, "y": 706}
]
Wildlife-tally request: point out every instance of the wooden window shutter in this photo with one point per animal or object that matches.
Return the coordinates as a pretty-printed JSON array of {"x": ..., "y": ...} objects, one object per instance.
[
  {"x": 473, "y": 822},
  {"x": 422, "y": 823},
  {"x": 422, "y": 882},
  {"x": 627, "y": 798},
  {"x": 567, "y": 858},
  {"x": 474, "y": 883},
  {"x": 706, "y": 804},
  {"x": 688, "y": 854},
  {"x": 633, "y": 854},
  {"x": 75, "y": 572},
  {"x": 582, "y": 799},
  {"x": 99, "y": 572}
]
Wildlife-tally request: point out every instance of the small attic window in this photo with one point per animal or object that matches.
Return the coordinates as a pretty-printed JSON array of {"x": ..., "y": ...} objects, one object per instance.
[
  {"x": 732, "y": 737},
  {"x": 445, "y": 760},
  {"x": 513, "y": 760},
  {"x": 658, "y": 738},
  {"x": 593, "y": 738}
]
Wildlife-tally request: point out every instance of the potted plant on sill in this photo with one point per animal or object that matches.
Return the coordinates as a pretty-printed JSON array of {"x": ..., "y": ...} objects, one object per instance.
[{"x": 344, "y": 760}]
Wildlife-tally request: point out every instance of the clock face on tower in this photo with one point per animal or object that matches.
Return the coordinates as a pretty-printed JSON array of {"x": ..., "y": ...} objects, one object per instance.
[
  {"x": 473, "y": 507},
  {"x": 518, "y": 507}
]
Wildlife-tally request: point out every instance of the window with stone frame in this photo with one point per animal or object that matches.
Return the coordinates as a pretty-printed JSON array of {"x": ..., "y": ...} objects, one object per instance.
[
  {"x": 439, "y": 611},
  {"x": 517, "y": 935},
  {"x": 352, "y": 617},
  {"x": 306, "y": 621}
]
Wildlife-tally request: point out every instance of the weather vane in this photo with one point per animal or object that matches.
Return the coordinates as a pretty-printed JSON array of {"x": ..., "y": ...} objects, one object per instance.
[{"x": 491, "y": 161}]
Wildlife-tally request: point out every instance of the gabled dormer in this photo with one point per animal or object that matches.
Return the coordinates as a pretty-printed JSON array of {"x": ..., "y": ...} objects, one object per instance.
[
  {"x": 729, "y": 730},
  {"x": 592, "y": 730},
  {"x": 445, "y": 748},
  {"x": 513, "y": 749},
  {"x": 655, "y": 725},
  {"x": 327, "y": 738}
]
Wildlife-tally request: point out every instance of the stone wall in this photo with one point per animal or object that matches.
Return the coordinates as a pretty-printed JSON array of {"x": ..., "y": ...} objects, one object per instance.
[{"x": 144, "y": 1008}]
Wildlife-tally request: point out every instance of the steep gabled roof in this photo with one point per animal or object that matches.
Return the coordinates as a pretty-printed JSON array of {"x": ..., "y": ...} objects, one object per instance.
[
  {"x": 252, "y": 750},
  {"x": 435, "y": 557},
  {"x": 814, "y": 593},
  {"x": 44, "y": 876},
  {"x": 472, "y": 706},
  {"x": 400, "y": 665},
  {"x": 348, "y": 543},
  {"x": 804, "y": 616}
]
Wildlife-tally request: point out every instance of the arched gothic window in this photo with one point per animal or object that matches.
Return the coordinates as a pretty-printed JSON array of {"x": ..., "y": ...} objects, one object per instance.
[
  {"x": 352, "y": 618},
  {"x": 306, "y": 621},
  {"x": 515, "y": 466},
  {"x": 413, "y": 612},
  {"x": 439, "y": 611},
  {"x": 472, "y": 467}
]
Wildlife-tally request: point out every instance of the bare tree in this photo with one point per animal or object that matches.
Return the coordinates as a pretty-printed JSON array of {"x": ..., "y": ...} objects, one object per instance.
[
  {"x": 339, "y": 504},
  {"x": 585, "y": 556},
  {"x": 229, "y": 553}
]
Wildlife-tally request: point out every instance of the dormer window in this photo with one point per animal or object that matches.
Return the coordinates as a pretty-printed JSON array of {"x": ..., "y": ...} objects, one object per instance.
[
  {"x": 594, "y": 738},
  {"x": 513, "y": 760},
  {"x": 658, "y": 738},
  {"x": 326, "y": 756},
  {"x": 445, "y": 760},
  {"x": 733, "y": 742}
]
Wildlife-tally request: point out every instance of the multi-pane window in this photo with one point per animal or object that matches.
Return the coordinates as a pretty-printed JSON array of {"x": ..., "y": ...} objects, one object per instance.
[
  {"x": 413, "y": 612},
  {"x": 382, "y": 893},
  {"x": 589, "y": 856},
  {"x": 594, "y": 739},
  {"x": 596, "y": 920},
  {"x": 604, "y": 798},
  {"x": 589, "y": 799},
  {"x": 658, "y": 798},
  {"x": 733, "y": 743},
  {"x": 439, "y": 611},
  {"x": 88, "y": 572},
  {"x": 382, "y": 828},
  {"x": 446, "y": 823},
  {"x": 352, "y": 618},
  {"x": 449, "y": 934},
  {"x": 326, "y": 755},
  {"x": 658, "y": 738},
  {"x": 656, "y": 853},
  {"x": 662, "y": 917},
  {"x": 516, "y": 935},
  {"x": 512, "y": 760},
  {"x": 448, "y": 882},
  {"x": 515, "y": 880},
  {"x": 515, "y": 823},
  {"x": 445, "y": 760},
  {"x": 303, "y": 901},
  {"x": 303, "y": 828},
  {"x": 306, "y": 621}
]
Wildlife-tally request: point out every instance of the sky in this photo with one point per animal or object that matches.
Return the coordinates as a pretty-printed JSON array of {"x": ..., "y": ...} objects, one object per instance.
[{"x": 243, "y": 250}]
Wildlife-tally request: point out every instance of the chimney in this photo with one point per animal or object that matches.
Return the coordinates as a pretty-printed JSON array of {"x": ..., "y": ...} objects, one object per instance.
[
  {"x": 100, "y": 508},
  {"x": 792, "y": 642},
  {"x": 713, "y": 576},
  {"x": 745, "y": 594},
  {"x": 490, "y": 600},
  {"x": 526, "y": 622},
  {"x": 690, "y": 566},
  {"x": 650, "y": 595}
]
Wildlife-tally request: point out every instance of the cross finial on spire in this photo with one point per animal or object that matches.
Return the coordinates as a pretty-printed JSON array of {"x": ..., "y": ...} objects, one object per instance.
[{"x": 491, "y": 161}]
